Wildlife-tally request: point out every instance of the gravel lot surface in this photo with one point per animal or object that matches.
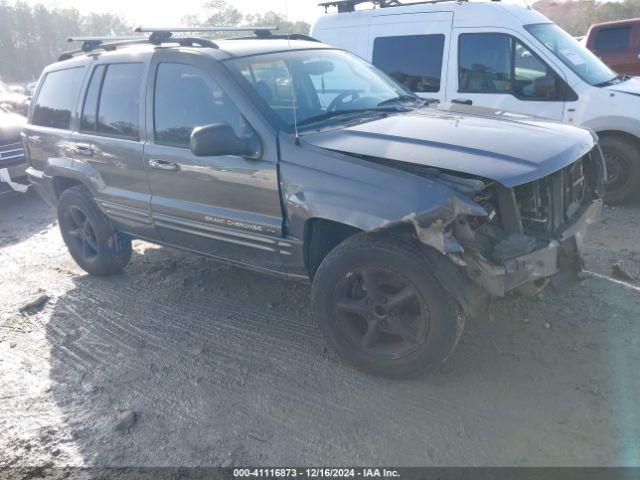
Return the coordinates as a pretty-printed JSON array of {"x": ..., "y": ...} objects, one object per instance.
[{"x": 181, "y": 361}]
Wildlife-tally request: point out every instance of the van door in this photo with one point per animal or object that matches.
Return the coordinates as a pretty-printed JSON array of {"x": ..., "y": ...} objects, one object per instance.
[
  {"x": 411, "y": 49},
  {"x": 494, "y": 69}
]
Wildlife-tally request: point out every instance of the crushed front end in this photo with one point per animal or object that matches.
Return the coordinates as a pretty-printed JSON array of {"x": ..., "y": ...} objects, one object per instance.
[{"x": 532, "y": 233}]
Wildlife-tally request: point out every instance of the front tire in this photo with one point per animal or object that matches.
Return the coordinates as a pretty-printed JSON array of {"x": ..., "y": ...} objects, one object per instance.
[
  {"x": 91, "y": 238},
  {"x": 623, "y": 169},
  {"x": 381, "y": 310}
]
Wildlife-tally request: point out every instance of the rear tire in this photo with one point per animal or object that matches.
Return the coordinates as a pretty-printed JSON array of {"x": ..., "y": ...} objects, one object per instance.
[
  {"x": 381, "y": 310},
  {"x": 91, "y": 238},
  {"x": 623, "y": 169}
]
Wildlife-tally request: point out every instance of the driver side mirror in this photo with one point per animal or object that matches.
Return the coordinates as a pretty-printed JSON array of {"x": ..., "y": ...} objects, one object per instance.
[{"x": 220, "y": 139}]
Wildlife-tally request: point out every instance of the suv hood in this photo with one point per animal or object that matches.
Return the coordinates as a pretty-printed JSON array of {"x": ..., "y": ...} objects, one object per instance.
[
  {"x": 510, "y": 149},
  {"x": 10, "y": 126}
]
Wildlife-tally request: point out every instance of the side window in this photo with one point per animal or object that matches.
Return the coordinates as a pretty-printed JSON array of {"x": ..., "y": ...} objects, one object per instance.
[
  {"x": 119, "y": 103},
  {"x": 57, "y": 98},
  {"x": 613, "y": 39},
  {"x": 185, "y": 98},
  {"x": 498, "y": 63},
  {"x": 90, "y": 106},
  {"x": 413, "y": 60},
  {"x": 532, "y": 79},
  {"x": 485, "y": 63}
]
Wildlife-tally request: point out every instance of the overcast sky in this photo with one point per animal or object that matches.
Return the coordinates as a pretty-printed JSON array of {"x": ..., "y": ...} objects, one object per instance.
[{"x": 160, "y": 13}]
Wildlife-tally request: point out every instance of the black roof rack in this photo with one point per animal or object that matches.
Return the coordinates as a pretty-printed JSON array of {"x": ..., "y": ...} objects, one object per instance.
[
  {"x": 270, "y": 36},
  {"x": 158, "y": 36},
  {"x": 345, "y": 6}
]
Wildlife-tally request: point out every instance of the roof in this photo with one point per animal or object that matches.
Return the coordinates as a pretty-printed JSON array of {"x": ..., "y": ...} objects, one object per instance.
[
  {"x": 614, "y": 23},
  {"x": 476, "y": 14}
]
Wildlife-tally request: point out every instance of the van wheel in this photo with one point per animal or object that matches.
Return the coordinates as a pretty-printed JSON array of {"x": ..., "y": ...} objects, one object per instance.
[
  {"x": 380, "y": 309},
  {"x": 92, "y": 240},
  {"x": 623, "y": 169}
]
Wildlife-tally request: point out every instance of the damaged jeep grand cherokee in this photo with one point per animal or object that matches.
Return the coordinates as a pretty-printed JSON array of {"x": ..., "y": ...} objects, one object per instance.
[{"x": 290, "y": 157}]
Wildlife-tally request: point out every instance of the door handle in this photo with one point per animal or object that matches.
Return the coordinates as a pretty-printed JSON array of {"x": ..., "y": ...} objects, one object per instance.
[
  {"x": 462, "y": 101},
  {"x": 83, "y": 148},
  {"x": 163, "y": 165}
]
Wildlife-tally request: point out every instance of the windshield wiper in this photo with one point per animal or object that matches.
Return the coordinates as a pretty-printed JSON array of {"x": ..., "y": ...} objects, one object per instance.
[
  {"x": 402, "y": 98},
  {"x": 615, "y": 80},
  {"x": 336, "y": 113}
]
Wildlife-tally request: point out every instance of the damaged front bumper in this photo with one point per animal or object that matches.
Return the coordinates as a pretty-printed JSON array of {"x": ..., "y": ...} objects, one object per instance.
[{"x": 559, "y": 259}]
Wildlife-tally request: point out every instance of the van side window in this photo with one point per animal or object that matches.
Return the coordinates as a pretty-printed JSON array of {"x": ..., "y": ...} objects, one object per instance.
[
  {"x": 498, "y": 63},
  {"x": 613, "y": 39},
  {"x": 119, "y": 104},
  {"x": 413, "y": 60},
  {"x": 186, "y": 98},
  {"x": 57, "y": 98}
]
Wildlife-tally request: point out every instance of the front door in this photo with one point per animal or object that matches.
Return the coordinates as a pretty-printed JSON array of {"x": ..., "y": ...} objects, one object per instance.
[
  {"x": 224, "y": 206},
  {"x": 498, "y": 71}
]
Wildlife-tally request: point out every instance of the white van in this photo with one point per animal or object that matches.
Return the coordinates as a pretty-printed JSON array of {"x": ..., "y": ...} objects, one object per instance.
[{"x": 502, "y": 56}]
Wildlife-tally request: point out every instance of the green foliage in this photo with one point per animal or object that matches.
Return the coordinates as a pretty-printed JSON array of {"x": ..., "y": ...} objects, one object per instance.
[
  {"x": 219, "y": 12},
  {"x": 576, "y": 16},
  {"x": 33, "y": 36}
]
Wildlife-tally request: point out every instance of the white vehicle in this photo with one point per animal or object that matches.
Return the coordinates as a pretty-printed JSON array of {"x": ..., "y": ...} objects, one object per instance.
[{"x": 505, "y": 57}]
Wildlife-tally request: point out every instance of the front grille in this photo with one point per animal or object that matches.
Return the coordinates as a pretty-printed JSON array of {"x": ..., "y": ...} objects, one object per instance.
[
  {"x": 11, "y": 154},
  {"x": 546, "y": 204}
]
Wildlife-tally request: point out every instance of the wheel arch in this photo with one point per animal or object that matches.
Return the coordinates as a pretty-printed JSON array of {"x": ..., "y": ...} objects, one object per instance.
[
  {"x": 61, "y": 183},
  {"x": 634, "y": 139}
]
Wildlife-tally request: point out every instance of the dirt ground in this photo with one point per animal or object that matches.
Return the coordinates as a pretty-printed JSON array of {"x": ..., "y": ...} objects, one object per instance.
[{"x": 181, "y": 361}]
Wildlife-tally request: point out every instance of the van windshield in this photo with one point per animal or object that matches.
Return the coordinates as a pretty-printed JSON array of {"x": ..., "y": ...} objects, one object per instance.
[
  {"x": 574, "y": 55},
  {"x": 329, "y": 85}
]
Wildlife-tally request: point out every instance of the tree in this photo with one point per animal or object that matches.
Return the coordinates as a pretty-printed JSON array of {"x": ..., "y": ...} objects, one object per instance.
[
  {"x": 34, "y": 36},
  {"x": 219, "y": 13},
  {"x": 576, "y": 16}
]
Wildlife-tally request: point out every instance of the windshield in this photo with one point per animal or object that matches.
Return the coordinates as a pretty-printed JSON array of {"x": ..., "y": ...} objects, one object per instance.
[
  {"x": 574, "y": 55},
  {"x": 330, "y": 86}
]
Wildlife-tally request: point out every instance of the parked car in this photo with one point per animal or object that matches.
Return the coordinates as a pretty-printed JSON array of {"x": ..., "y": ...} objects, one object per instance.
[
  {"x": 291, "y": 157},
  {"x": 15, "y": 101},
  {"x": 617, "y": 44},
  {"x": 501, "y": 56},
  {"x": 12, "y": 160}
]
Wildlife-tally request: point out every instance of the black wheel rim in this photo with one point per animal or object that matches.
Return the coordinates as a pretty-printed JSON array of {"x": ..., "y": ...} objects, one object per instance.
[
  {"x": 617, "y": 171},
  {"x": 80, "y": 233},
  {"x": 380, "y": 313}
]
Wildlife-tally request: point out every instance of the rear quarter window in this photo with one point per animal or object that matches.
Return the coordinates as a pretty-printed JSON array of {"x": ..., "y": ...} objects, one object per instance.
[
  {"x": 57, "y": 98},
  {"x": 413, "y": 60}
]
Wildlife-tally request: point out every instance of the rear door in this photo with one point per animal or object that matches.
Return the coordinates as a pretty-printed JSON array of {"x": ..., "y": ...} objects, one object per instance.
[
  {"x": 108, "y": 143},
  {"x": 411, "y": 48},
  {"x": 47, "y": 134},
  {"x": 494, "y": 69},
  {"x": 224, "y": 206}
]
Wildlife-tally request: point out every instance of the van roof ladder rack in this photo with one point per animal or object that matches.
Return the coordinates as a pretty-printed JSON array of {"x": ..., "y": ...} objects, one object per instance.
[{"x": 345, "y": 6}]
